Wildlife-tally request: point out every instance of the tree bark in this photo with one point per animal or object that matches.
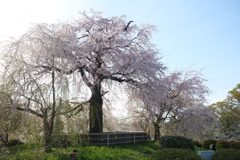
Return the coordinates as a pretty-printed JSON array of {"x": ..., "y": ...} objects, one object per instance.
[
  {"x": 156, "y": 131},
  {"x": 95, "y": 111},
  {"x": 47, "y": 133},
  {"x": 48, "y": 122}
]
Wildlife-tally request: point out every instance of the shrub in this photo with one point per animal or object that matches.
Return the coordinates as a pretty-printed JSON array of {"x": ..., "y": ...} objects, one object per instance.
[
  {"x": 227, "y": 154},
  {"x": 207, "y": 143},
  {"x": 222, "y": 145},
  {"x": 174, "y": 153},
  {"x": 61, "y": 141},
  {"x": 176, "y": 142},
  {"x": 14, "y": 142},
  {"x": 197, "y": 143},
  {"x": 235, "y": 145}
]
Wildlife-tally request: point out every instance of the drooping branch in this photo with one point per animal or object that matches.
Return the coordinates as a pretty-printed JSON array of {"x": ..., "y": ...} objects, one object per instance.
[
  {"x": 27, "y": 110},
  {"x": 50, "y": 68},
  {"x": 79, "y": 107},
  {"x": 17, "y": 106}
]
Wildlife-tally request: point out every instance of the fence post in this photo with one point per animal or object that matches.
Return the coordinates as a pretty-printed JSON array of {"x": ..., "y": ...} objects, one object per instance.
[{"x": 107, "y": 139}]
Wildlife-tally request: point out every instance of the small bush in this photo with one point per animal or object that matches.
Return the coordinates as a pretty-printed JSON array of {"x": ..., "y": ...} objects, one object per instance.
[
  {"x": 227, "y": 154},
  {"x": 176, "y": 142},
  {"x": 234, "y": 145},
  {"x": 14, "y": 142},
  {"x": 222, "y": 145},
  {"x": 207, "y": 143},
  {"x": 197, "y": 143},
  {"x": 61, "y": 141},
  {"x": 174, "y": 153}
]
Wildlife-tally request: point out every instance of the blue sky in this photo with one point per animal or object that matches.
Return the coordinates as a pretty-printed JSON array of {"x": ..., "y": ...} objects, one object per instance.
[{"x": 192, "y": 34}]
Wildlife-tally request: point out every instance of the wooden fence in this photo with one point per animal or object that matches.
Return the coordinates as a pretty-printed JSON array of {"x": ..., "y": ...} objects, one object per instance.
[{"x": 112, "y": 138}]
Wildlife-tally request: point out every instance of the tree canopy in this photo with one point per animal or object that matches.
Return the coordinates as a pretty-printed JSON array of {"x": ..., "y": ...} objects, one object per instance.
[
  {"x": 228, "y": 112},
  {"x": 92, "y": 51}
]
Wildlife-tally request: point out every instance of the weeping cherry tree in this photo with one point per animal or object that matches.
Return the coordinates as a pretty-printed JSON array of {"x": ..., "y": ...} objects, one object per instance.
[{"x": 96, "y": 51}]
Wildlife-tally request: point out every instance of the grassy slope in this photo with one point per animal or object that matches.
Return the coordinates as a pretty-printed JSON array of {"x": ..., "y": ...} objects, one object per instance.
[{"x": 138, "y": 151}]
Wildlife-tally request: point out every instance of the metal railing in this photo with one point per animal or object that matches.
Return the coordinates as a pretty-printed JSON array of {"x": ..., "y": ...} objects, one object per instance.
[{"x": 112, "y": 138}]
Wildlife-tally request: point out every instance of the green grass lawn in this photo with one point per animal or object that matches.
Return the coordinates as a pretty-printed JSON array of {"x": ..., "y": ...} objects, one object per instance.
[
  {"x": 138, "y": 151},
  {"x": 200, "y": 149}
]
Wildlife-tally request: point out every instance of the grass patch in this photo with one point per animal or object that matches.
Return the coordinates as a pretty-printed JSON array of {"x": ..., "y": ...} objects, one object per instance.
[
  {"x": 200, "y": 149},
  {"x": 138, "y": 151}
]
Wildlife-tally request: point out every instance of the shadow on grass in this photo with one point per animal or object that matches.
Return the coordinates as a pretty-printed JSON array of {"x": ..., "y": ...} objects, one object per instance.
[{"x": 142, "y": 147}]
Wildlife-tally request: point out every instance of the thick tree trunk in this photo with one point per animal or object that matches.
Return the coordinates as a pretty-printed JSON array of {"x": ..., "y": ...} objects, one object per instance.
[
  {"x": 47, "y": 133},
  {"x": 47, "y": 141},
  {"x": 95, "y": 111},
  {"x": 156, "y": 131}
]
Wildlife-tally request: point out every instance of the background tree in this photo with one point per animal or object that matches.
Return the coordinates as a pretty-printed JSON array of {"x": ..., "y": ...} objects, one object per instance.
[
  {"x": 137, "y": 114},
  {"x": 39, "y": 91},
  {"x": 198, "y": 122},
  {"x": 228, "y": 112},
  {"x": 10, "y": 122},
  {"x": 172, "y": 95},
  {"x": 31, "y": 130}
]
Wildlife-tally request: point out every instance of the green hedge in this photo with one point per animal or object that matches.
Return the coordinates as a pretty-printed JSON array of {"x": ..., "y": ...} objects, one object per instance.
[
  {"x": 235, "y": 145},
  {"x": 197, "y": 143},
  {"x": 207, "y": 143},
  {"x": 222, "y": 145},
  {"x": 174, "y": 154},
  {"x": 227, "y": 154},
  {"x": 176, "y": 142}
]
